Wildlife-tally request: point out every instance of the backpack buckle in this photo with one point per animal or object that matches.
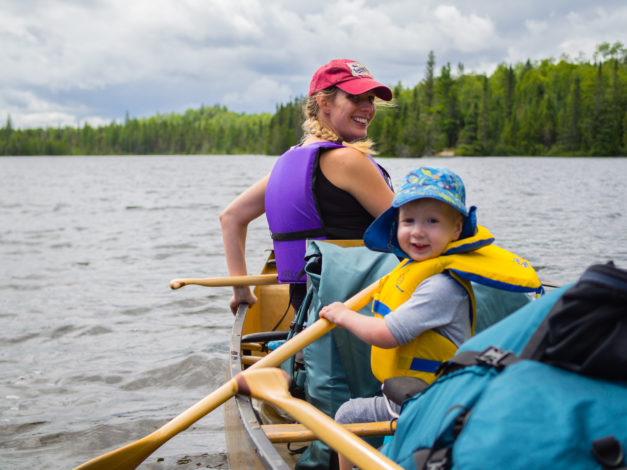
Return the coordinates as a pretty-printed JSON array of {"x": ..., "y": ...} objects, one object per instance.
[
  {"x": 495, "y": 357},
  {"x": 439, "y": 460}
]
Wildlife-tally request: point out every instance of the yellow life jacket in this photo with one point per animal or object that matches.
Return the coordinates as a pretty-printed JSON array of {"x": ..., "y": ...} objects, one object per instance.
[{"x": 470, "y": 259}]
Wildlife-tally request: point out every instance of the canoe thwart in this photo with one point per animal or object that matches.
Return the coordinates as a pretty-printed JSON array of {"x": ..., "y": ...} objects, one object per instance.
[{"x": 282, "y": 433}]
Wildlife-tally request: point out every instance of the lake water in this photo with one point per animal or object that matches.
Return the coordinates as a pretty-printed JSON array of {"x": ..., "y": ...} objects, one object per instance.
[{"x": 96, "y": 351}]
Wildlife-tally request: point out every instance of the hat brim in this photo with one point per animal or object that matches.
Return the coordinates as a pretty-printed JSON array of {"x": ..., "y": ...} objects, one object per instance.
[
  {"x": 361, "y": 85},
  {"x": 381, "y": 234}
]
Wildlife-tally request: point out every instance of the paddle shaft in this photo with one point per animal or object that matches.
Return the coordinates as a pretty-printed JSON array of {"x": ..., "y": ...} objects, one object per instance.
[
  {"x": 131, "y": 455},
  {"x": 258, "y": 280}
]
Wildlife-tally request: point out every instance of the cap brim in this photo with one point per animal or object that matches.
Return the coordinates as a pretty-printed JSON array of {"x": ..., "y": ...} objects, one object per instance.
[{"x": 364, "y": 85}]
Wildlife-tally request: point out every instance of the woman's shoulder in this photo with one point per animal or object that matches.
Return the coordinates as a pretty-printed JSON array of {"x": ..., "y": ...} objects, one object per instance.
[{"x": 346, "y": 157}]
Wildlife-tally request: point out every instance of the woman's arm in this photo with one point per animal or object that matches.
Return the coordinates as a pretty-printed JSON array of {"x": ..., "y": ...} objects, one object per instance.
[
  {"x": 234, "y": 221},
  {"x": 352, "y": 171},
  {"x": 372, "y": 330}
]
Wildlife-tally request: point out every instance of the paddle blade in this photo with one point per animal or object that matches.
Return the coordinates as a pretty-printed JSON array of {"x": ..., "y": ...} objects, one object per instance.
[
  {"x": 124, "y": 458},
  {"x": 131, "y": 455}
]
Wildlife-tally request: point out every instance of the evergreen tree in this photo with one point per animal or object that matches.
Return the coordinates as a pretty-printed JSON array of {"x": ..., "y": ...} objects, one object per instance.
[
  {"x": 571, "y": 128},
  {"x": 428, "y": 118},
  {"x": 448, "y": 118},
  {"x": 603, "y": 142},
  {"x": 617, "y": 109},
  {"x": 483, "y": 128},
  {"x": 510, "y": 87},
  {"x": 429, "y": 80}
]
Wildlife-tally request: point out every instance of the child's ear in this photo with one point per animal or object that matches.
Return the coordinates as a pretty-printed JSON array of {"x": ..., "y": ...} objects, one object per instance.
[{"x": 458, "y": 228}]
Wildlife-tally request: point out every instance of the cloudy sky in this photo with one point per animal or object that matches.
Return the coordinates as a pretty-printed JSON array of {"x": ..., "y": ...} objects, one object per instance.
[{"x": 74, "y": 61}]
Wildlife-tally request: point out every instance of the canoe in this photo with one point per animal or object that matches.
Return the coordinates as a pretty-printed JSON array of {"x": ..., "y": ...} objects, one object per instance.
[{"x": 259, "y": 436}]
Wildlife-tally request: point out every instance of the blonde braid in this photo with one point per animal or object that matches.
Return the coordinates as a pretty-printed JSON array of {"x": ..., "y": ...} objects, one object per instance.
[{"x": 312, "y": 126}]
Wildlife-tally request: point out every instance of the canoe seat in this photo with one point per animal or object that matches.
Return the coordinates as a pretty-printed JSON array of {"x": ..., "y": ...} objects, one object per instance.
[{"x": 265, "y": 336}]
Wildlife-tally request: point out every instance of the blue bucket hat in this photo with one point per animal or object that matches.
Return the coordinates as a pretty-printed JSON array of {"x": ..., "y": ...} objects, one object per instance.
[{"x": 425, "y": 182}]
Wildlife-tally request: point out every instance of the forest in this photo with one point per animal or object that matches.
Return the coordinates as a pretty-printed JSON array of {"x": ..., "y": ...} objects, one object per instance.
[{"x": 565, "y": 107}]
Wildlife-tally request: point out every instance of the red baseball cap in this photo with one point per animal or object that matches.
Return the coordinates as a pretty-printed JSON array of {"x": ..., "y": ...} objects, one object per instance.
[{"x": 350, "y": 76}]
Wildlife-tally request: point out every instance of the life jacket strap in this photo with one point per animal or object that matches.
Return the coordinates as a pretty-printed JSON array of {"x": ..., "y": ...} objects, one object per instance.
[
  {"x": 380, "y": 308},
  {"x": 425, "y": 365},
  {"x": 299, "y": 235},
  {"x": 329, "y": 232}
]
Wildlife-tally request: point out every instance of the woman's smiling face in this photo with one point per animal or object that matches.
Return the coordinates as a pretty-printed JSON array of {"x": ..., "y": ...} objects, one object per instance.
[{"x": 349, "y": 115}]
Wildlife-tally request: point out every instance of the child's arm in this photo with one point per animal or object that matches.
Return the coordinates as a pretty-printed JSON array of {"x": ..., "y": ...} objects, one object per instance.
[{"x": 372, "y": 330}]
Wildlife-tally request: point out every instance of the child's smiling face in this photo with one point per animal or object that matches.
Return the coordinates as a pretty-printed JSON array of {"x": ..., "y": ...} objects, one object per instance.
[{"x": 426, "y": 226}]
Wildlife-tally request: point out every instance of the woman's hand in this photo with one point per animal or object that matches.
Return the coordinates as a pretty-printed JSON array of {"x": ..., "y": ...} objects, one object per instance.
[{"x": 241, "y": 295}]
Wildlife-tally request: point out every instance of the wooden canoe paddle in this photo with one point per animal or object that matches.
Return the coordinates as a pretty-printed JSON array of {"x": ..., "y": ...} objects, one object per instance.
[
  {"x": 271, "y": 385},
  {"x": 228, "y": 281},
  {"x": 256, "y": 280},
  {"x": 131, "y": 455}
]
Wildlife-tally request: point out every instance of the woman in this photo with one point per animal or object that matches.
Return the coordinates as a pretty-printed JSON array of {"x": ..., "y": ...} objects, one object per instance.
[{"x": 325, "y": 187}]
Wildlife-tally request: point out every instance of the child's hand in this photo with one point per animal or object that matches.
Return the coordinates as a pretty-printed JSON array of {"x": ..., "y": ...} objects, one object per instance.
[{"x": 335, "y": 312}]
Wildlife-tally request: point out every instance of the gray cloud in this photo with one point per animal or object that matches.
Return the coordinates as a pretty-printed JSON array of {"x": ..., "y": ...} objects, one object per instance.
[{"x": 67, "y": 62}]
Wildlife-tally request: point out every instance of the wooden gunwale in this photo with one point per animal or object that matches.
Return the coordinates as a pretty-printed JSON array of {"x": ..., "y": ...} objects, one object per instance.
[{"x": 247, "y": 444}]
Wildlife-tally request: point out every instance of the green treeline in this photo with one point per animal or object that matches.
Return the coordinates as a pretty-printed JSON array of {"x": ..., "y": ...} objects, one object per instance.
[
  {"x": 208, "y": 130},
  {"x": 548, "y": 107}
]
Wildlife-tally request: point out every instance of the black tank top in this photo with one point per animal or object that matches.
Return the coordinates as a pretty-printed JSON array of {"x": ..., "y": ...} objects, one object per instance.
[{"x": 341, "y": 213}]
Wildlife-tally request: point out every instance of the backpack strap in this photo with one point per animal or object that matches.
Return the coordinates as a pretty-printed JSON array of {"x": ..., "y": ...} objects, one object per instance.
[
  {"x": 492, "y": 357},
  {"x": 434, "y": 458}
]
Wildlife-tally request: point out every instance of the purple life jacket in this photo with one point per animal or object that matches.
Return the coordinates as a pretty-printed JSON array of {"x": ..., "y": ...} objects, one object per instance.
[{"x": 292, "y": 210}]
